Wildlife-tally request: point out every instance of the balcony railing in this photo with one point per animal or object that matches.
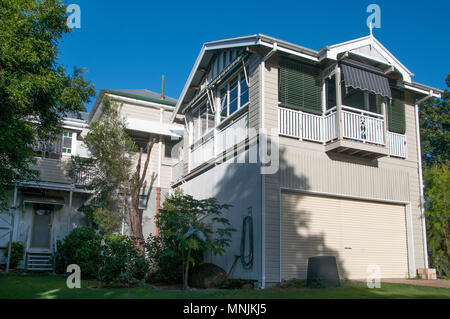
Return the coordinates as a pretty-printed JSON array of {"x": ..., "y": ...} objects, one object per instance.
[
  {"x": 358, "y": 125},
  {"x": 397, "y": 145},
  {"x": 232, "y": 134},
  {"x": 363, "y": 126},
  {"x": 83, "y": 176}
]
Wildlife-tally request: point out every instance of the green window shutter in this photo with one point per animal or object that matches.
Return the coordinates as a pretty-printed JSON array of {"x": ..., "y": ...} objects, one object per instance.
[
  {"x": 300, "y": 87},
  {"x": 396, "y": 113}
]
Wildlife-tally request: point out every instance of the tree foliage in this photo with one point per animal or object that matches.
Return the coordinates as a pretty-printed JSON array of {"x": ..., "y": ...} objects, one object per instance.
[
  {"x": 110, "y": 166},
  {"x": 434, "y": 129},
  {"x": 435, "y": 136},
  {"x": 172, "y": 250},
  {"x": 33, "y": 85},
  {"x": 437, "y": 181}
]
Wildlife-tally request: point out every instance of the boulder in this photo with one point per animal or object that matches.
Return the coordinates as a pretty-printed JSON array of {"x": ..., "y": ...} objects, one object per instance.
[{"x": 207, "y": 276}]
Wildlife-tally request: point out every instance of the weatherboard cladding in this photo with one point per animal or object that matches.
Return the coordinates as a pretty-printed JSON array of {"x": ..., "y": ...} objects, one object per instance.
[{"x": 306, "y": 166}]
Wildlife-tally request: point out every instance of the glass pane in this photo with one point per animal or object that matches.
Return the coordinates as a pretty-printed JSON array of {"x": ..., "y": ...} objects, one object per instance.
[
  {"x": 244, "y": 90},
  {"x": 233, "y": 96},
  {"x": 211, "y": 123},
  {"x": 331, "y": 92},
  {"x": 203, "y": 120},
  {"x": 223, "y": 103},
  {"x": 353, "y": 97},
  {"x": 196, "y": 126}
]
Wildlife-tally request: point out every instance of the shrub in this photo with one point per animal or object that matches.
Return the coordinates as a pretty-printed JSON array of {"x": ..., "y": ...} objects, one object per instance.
[
  {"x": 81, "y": 247},
  {"x": 120, "y": 263},
  {"x": 186, "y": 233},
  {"x": 17, "y": 251}
]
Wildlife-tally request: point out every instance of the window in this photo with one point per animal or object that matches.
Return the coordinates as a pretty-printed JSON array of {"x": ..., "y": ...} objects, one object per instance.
[
  {"x": 331, "y": 92},
  {"x": 362, "y": 100},
  {"x": 67, "y": 142},
  {"x": 300, "y": 87},
  {"x": 396, "y": 113},
  {"x": 233, "y": 95},
  {"x": 203, "y": 119},
  {"x": 171, "y": 148}
]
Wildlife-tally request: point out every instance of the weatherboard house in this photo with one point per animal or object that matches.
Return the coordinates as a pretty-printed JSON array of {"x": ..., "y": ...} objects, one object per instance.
[
  {"x": 45, "y": 211},
  {"x": 318, "y": 152},
  {"x": 320, "y": 149}
]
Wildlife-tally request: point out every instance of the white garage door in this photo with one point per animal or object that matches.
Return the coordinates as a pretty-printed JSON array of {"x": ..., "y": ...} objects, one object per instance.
[{"x": 357, "y": 233}]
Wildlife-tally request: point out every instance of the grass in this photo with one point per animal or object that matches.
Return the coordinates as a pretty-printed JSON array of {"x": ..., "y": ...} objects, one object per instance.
[{"x": 32, "y": 286}]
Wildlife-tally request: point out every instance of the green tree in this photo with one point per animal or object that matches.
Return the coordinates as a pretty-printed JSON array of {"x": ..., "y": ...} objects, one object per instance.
[
  {"x": 110, "y": 165},
  {"x": 434, "y": 129},
  {"x": 33, "y": 85},
  {"x": 435, "y": 141},
  {"x": 437, "y": 181},
  {"x": 186, "y": 233}
]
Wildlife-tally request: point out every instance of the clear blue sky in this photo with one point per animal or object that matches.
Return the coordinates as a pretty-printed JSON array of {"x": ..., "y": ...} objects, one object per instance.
[{"x": 130, "y": 44}]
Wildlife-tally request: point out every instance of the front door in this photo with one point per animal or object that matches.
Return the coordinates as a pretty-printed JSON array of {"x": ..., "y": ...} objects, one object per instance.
[{"x": 42, "y": 226}]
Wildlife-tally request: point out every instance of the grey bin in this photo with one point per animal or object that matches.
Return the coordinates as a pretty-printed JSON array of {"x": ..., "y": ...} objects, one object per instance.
[{"x": 322, "y": 272}]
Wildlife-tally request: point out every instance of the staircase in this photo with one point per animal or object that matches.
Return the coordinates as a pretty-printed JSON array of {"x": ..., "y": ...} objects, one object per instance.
[{"x": 39, "y": 262}]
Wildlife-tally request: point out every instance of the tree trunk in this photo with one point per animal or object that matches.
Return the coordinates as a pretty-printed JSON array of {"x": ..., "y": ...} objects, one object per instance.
[
  {"x": 186, "y": 272},
  {"x": 135, "y": 214}
]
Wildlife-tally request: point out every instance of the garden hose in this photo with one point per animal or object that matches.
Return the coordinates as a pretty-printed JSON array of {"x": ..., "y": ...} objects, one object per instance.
[{"x": 247, "y": 259}]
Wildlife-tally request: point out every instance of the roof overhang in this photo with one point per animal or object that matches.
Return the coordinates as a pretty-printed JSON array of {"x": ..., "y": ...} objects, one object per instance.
[{"x": 151, "y": 127}]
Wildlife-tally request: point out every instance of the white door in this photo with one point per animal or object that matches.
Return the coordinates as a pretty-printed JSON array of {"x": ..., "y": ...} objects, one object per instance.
[{"x": 357, "y": 233}]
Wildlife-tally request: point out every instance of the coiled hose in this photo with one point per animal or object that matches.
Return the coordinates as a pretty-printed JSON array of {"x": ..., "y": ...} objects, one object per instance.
[{"x": 247, "y": 259}]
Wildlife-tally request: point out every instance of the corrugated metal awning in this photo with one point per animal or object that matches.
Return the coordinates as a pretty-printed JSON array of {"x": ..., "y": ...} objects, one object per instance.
[
  {"x": 365, "y": 78},
  {"x": 35, "y": 199}
]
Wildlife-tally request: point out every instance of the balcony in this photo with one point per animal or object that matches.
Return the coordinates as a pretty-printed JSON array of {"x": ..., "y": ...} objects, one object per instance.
[{"x": 362, "y": 132}]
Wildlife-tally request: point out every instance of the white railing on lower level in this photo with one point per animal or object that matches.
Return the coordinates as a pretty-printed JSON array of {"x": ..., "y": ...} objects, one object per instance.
[
  {"x": 397, "y": 145},
  {"x": 234, "y": 133},
  {"x": 358, "y": 125}
]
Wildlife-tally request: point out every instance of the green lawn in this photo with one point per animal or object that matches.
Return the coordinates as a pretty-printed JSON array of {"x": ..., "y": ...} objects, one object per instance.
[{"x": 52, "y": 287}]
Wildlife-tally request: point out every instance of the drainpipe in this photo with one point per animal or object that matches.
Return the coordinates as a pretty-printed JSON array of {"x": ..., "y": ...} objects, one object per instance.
[
  {"x": 263, "y": 178},
  {"x": 419, "y": 159}
]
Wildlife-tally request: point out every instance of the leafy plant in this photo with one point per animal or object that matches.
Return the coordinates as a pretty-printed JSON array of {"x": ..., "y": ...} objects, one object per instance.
[
  {"x": 33, "y": 84},
  {"x": 437, "y": 213},
  {"x": 120, "y": 262},
  {"x": 81, "y": 247},
  {"x": 186, "y": 233},
  {"x": 17, "y": 251}
]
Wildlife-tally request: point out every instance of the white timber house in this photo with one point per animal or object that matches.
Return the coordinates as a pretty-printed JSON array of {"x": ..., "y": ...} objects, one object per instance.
[
  {"x": 320, "y": 148},
  {"x": 46, "y": 211}
]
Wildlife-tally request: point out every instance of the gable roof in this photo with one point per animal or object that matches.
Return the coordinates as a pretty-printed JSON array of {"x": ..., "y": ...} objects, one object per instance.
[
  {"x": 136, "y": 94},
  {"x": 368, "y": 47}
]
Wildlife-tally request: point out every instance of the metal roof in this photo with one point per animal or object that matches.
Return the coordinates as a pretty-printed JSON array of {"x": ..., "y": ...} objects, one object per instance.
[{"x": 144, "y": 94}]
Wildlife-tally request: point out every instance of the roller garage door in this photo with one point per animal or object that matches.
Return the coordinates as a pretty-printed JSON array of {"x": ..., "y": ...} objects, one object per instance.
[{"x": 358, "y": 233}]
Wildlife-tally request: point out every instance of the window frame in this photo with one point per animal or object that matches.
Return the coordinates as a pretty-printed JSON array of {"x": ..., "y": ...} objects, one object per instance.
[
  {"x": 239, "y": 76},
  {"x": 64, "y": 150}
]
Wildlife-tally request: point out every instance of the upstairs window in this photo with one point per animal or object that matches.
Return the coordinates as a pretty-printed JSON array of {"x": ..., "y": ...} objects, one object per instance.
[
  {"x": 396, "y": 113},
  {"x": 234, "y": 95},
  {"x": 203, "y": 120},
  {"x": 67, "y": 142},
  {"x": 300, "y": 87}
]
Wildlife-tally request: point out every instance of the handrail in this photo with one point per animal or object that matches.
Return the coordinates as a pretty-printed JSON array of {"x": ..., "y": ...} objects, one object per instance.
[{"x": 362, "y": 112}]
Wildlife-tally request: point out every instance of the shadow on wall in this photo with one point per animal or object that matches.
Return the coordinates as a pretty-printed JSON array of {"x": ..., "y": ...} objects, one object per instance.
[
  {"x": 302, "y": 236},
  {"x": 298, "y": 240}
]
